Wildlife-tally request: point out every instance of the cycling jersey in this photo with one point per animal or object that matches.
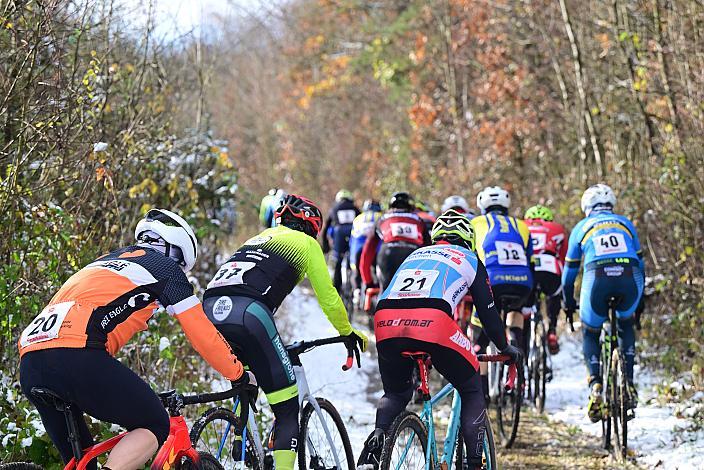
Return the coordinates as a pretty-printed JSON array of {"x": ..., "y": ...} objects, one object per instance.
[
  {"x": 549, "y": 245},
  {"x": 267, "y": 268},
  {"x": 608, "y": 242},
  {"x": 404, "y": 231},
  {"x": 504, "y": 245},
  {"x": 362, "y": 228},
  {"x": 104, "y": 304}
]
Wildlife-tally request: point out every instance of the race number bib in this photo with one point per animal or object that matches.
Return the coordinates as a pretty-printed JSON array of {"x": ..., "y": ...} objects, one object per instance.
[
  {"x": 546, "y": 263},
  {"x": 539, "y": 240},
  {"x": 346, "y": 216},
  {"x": 610, "y": 244},
  {"x": 405, "y": 230},
  {"x": 511, "y": 254},
  {"x": 46, "y": 325},
  {"x": 231, "y": 274},
  {"x": 413, "y": 283}
]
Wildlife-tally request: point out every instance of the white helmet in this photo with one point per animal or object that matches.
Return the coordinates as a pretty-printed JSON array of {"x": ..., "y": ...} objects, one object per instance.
[
  {"x": 174, "y": 230},
  {"x": 595, "y": 195},
  {"x": 454, "y": 202},
  {"x": 493, "y": 196}
]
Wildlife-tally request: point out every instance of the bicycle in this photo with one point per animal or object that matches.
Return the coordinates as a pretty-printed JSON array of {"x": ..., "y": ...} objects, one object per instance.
[
  {"x": 176, "y": 452},
  {"x": 411, "y": 441},
  {"x": 320, "y": 445},
  {"x": 537, "y": 358},
  {"x": 506, "y": 401},
  {"x": 616, "y": 410}
]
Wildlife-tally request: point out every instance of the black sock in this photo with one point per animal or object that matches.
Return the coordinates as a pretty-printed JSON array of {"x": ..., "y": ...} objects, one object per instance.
[{"x": 516, "y": 335}]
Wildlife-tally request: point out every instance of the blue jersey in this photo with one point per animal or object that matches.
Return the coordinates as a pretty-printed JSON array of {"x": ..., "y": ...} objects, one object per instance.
[
  {"x": 434, "y": 272},
  {"x": 603, "y": 236},
  {"x": 504, "y": 245}
]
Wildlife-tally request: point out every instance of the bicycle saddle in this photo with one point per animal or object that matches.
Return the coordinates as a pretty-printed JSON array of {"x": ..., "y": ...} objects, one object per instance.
[{"x": 49, "y": 397}]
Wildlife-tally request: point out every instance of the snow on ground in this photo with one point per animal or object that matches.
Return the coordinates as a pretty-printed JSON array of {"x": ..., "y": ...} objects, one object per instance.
[
  {"x": 355, "y": 392},
  {"x": 655, "y": 433}
]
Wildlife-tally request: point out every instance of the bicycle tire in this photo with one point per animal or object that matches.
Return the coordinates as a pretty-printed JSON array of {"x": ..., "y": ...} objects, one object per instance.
[
  {"x": 508, "y": 423},
  {"x": 20, "y": 466},
  {"x": 198, "y": 440},
  {"x": 542, "y": 372},
  {"x": 606, "y": 381},
  {"x": 405, "y": 421},
  {"x": 619, "y": 405},
  {"x": 329, "y": 408},
  {"x": 207, "y": 462}
]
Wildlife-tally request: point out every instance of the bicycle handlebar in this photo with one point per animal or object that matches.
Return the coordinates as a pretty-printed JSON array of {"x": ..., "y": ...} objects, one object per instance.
[
  {"x": 300, "y": 347},
  {"x": 512, "y": 368}
]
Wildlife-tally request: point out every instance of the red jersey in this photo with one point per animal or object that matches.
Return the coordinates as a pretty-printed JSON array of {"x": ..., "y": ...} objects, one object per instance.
[
  {"x": 404, "y": 228},
  {"x": 549, "y": 245}
]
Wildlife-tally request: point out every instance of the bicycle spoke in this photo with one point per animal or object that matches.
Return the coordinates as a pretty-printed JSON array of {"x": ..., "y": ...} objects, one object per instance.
[{"x": 410, "y": 455}]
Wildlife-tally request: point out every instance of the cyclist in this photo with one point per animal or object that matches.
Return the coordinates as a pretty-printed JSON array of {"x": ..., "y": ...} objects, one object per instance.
[
  {"x": 338, "y": 227},
  {"x": 69, "y": 347},
  {"x": 415, "y": 314},
  {"x": 244, "y": 294},
  {"x": 505, "y": 247},
  {"x": 362, "y": 228},
  {"x": 396, "y": 235},
  {"x": 268, "y": 205},
  {"x": 549, "y": 249},
  {"x": 613, "y": 267},
  {"x": 459, "y": 204}
]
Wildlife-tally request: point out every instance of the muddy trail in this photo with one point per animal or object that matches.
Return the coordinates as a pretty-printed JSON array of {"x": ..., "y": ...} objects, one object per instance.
[{"x": 545, "y": 444}]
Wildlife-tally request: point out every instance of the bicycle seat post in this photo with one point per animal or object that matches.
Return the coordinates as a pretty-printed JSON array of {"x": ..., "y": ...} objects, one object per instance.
[
  {"x": 420, "y": 358},
  {"x": 74, "y": 435}
]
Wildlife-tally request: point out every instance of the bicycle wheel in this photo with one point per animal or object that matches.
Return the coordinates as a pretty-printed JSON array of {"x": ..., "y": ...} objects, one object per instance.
[
  {"x": 488, "y": 449},
  {"x": 541, "y": 373},
  {"x": 214, "y": 432},
  {"x": 508, "y": 404},
  {"x": 207, "y": 462},
  {"x": 406, "y": 444},
  {"x": 619, "y": 404},
  {"x": 20, "y": 466},
  {"x": 606, "y": 380},
  {"x": 314, "y": 448}
]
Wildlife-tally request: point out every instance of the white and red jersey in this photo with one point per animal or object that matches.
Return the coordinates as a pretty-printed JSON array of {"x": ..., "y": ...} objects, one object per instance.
[{"x": 549, "y": 245}]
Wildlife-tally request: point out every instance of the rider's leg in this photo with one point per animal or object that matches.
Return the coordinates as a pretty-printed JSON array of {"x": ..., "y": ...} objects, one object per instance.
[
  {"x": 396, "y": 377},
  {"x": 251, "y": 330},
  {"x": 133, "y": 451},
  {"x": 627, "y": 342},
  {"x": 514, "y": 323}
]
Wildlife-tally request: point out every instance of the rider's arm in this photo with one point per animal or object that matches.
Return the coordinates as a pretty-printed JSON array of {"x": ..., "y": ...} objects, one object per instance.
[
  {"x": 328, "y": 297},
  {"x": 205, "y": 339},
  {"x": 486, "y": 308},
  {"x": 327, "y": 232},
  {"x": 637, "y": 246},
  {"x": 572, "y": 262},
  {"x": 367, "y": 258},
  {"x": 562, "y": 252}
]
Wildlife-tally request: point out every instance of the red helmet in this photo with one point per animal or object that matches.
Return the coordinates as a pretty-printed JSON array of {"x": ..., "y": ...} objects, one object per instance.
[{"x": 298, "y": 207}]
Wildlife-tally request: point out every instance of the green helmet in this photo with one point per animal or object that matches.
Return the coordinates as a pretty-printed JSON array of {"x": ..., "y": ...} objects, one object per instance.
[
  {"x": 343, "y": 194},
  {"x": 454, "y": 228},
  {"x": 539, "y": 212}
]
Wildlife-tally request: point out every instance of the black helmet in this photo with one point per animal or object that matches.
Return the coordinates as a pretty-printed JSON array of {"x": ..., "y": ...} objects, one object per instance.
[{"x": 402, "y": 200}]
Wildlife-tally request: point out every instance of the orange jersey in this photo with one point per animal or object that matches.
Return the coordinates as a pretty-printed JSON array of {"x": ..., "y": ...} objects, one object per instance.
[{"x": 104, "y": 304}]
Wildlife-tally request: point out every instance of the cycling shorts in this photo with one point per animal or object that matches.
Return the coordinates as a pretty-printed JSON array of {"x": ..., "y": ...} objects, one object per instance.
[
  {"x": 248, "y": 325},
  {"x": 341, "y": 239},
  {"x": 96, "y": 384},
  {"x": 548, "y": 283},
  {"x": 599, "y": 283},
  {"x": 430, "y": 325}
]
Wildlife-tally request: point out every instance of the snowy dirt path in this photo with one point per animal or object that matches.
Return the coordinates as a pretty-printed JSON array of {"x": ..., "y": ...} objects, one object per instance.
[
  {"x": 652, "y": 435},
  {"x": 356, "y": 392}
]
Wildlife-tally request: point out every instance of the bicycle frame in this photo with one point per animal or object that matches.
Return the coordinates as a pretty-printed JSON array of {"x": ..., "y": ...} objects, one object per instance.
[
  {"x": 177, "y": 446},
  {"x": 304, "y": 396}
]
